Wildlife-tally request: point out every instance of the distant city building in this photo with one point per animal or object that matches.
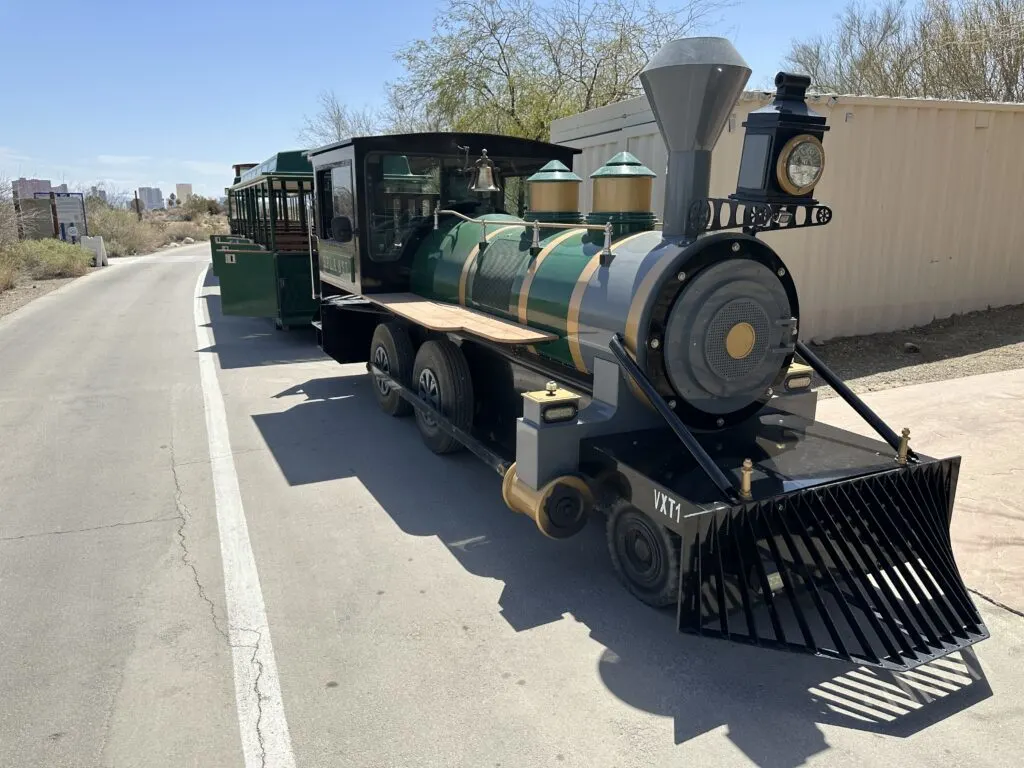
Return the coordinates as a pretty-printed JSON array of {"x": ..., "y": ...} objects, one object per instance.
[
  {"x": 97, "y": 192},
  {"x": 26, "y": 189},
  {"x": 152, "y": 198},
  {"x": 183, "y": 191}
]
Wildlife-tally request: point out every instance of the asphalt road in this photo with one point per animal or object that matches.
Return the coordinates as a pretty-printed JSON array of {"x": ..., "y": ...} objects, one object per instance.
[{"x": 415, "y": 621}]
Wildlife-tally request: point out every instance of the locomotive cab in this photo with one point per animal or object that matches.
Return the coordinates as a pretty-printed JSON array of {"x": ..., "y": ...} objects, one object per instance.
[{"x": 376, "y": 197}]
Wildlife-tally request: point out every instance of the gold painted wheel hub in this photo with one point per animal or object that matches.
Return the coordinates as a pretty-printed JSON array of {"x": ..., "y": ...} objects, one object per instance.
[{"x": 739, "y": 342}]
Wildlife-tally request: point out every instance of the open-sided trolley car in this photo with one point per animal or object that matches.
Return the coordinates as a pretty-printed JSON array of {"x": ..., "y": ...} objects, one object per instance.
[
  {"x": 266, "y": 264},
  {"x": 647, "y": 371}
]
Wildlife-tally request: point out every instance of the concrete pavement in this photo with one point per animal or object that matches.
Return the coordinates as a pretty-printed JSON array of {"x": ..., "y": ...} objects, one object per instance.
[
  {"x": 415, "y": 620},
  {"x": 108, "y": 653}
]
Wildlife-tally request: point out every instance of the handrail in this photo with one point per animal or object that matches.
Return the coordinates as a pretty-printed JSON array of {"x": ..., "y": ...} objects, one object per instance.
[
  {"x": 309, "y": 234},
  {"x": 547, "y": 225},
  {"x": 606, "y": 251}
]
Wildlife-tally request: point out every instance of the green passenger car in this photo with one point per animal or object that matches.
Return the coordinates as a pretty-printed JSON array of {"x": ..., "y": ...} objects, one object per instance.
[{"x": 265, "y": 265}]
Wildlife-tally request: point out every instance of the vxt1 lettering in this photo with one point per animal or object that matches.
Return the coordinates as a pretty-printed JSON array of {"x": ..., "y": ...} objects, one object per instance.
[{"x": 668, "y": 506}]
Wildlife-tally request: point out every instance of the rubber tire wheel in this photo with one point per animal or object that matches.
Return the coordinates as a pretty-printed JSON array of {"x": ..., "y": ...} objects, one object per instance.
[
  {"x": 623, "y": 519},
  {"x": 455, "y": 391},
  {"x": 394, "y": 339}
]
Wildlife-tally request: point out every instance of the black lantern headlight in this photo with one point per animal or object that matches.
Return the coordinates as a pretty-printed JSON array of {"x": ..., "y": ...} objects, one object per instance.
[
  {"x": 800, "y": 164},
  {"x": 783, "y": 158}
]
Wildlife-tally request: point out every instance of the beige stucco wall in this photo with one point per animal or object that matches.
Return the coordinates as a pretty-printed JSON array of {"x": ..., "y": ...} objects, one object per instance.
[{"x": 927, "y": 195}]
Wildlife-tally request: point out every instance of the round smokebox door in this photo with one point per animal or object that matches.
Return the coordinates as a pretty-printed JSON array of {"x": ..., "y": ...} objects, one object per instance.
[{"x": 727, "y": 336}]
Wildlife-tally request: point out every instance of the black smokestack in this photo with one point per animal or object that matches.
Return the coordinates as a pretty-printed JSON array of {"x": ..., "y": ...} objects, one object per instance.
[{"x": 692, "y": 84}]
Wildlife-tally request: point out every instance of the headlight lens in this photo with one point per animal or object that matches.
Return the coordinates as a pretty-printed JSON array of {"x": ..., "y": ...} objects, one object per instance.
[
  {"x": 556, "y": 413},
  {"x": 801, "y": 163},
  {"x": 795, "y": 383}
]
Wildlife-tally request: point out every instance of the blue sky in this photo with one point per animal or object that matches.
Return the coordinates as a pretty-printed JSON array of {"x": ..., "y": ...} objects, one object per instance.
[{"x": 154, "y": 93}]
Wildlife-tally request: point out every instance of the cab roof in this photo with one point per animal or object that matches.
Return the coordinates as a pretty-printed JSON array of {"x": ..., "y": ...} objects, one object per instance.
[{"x": 449, "y": 143}]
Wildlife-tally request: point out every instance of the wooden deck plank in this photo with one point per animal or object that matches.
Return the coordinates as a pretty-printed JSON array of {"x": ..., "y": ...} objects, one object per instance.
[{"x": 438, "y": 316}]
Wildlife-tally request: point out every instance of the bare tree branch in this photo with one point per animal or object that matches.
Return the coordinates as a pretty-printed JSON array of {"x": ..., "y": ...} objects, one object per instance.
[
  {"x": 336, "y": 121},
  {"x": 959, "y": 49}
]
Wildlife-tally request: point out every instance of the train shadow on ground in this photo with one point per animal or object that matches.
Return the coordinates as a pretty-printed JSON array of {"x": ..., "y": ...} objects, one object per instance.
[
  {"x": 771, "y": 702},
  {"x": 245, "y": 342}
]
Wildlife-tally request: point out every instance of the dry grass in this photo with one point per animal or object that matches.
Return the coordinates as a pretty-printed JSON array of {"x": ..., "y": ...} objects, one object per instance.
[
  {"x": 177, "y": 231},
  {"x": 8, "y": 275},
  {"x": 124, "y": 234},
  {"x": 42, "y": 260},
  {"x": 47, "y": 259},
  {"x": 199, "y": 228}
]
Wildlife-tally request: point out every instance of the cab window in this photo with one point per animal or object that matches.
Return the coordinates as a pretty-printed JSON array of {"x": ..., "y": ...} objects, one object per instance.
[
  {"x": 342, "y": 200},
  {"x": 404, "y": 189}
]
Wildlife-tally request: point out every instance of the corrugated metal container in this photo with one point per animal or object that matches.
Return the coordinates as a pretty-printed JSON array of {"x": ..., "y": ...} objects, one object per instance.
[{"x": 927, "y": 199}]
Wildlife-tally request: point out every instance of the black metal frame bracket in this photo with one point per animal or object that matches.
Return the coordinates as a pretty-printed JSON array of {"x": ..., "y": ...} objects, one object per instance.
[
  {"x": 711, "y": 469},
  {"x": 872, "y": 418},
  {"x": 706, "y": 215},
  {"x": 481, "y": 451}
]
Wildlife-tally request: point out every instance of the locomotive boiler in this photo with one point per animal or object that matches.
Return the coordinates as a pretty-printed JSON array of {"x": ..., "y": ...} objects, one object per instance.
[{"x": 647, "y": 370}]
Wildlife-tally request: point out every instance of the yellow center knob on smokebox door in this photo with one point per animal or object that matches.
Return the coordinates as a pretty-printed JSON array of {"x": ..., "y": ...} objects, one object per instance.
[{"x": 740, "y": 340}]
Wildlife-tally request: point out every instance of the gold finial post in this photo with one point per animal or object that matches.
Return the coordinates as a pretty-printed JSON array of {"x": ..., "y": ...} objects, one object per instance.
[
  {"x": 904, "y": 446},
  {"x": 745, "y": 474}
]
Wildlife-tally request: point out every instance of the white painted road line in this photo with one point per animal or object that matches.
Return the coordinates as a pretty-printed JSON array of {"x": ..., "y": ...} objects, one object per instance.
[{"x": 261, "y": 720}]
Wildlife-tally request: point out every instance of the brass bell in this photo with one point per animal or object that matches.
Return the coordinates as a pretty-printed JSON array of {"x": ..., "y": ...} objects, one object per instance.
[{"x": 484, "y": 182}]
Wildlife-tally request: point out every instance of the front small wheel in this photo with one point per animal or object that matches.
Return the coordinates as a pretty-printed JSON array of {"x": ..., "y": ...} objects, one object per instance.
[{"x": 645, "y": 555}]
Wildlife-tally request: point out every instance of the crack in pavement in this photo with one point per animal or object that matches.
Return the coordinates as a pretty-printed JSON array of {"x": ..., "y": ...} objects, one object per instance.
[
  {"x": 996, "y": 603},
  {"x": 186, "y": 557},
  {"x": 183, "y": 516},
  {"x": 210, "y": 460},
  {"x": 256, "y": 689},
  {"x": 87, "y": 530}
]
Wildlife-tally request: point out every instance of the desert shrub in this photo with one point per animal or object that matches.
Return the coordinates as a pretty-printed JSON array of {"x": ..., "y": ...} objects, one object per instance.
[
  {"x": 122, "y": 232},
  {"x": 8, "y": 273},
  {"x": 8, "y": 220},
  {"x": 197, "y": 206},
  {"x": 48, "y": 259},
  {"x": 115, "y": 249},
  {"x": 177, "y": 231}
]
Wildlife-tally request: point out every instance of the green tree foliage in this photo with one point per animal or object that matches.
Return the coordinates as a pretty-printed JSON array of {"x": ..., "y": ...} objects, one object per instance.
[
  {"x": 957, "y": 49},
  {"x": 513, "y": 66},
  {"x": 197, "y": 205}
]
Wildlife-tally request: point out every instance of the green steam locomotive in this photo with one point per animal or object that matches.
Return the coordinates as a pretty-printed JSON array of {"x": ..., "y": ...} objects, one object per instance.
[{"x": 650, "y": 371}]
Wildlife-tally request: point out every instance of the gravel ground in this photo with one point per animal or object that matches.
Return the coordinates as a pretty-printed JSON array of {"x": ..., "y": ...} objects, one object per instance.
[
  {"x": 26, "y": 290},
  {"x": 963, "y": 345}
]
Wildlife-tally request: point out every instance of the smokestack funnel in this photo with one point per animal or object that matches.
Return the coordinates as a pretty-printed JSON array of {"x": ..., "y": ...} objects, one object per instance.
[{"x": 691, "y": 84}]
